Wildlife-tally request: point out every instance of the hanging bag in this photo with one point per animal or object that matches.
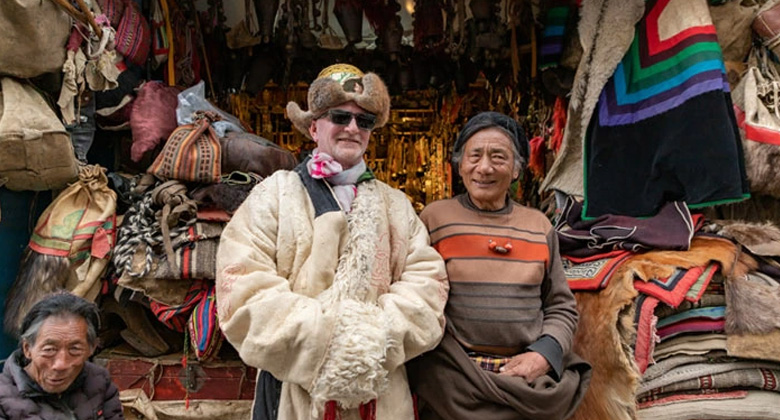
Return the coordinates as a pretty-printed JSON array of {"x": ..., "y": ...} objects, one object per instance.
[
  {"x": 33, "y": 34},
  {"x": 757, "y": 107},
  {"x": 133, "y": 35},
  {"x": 192, "y": 152},
  {"x": 35, "y": 150}
]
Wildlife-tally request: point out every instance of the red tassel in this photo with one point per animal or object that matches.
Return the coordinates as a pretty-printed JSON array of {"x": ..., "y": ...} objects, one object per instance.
[
  {"x": 368, "y": 410},
  {"x": 536, "y": 160},
  {"x": 559, "y": 123},
  {"x": 416, "y": 412},
  {"x": 331, "y": 411}
]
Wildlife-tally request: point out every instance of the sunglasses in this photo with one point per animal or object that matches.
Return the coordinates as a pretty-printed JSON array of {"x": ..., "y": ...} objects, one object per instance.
[{"x": 341, "y": 117}]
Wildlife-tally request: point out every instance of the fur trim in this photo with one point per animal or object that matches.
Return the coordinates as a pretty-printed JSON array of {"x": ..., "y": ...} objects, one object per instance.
[
  {"x": 353, "y": 371},
  {"x": 759, "y": 238},
  {"x": 38, "y": 276},
  {"x": 325, "y": 93},
  {"x": 606, "y": 29},
  {"x": 751, "y": 305}
]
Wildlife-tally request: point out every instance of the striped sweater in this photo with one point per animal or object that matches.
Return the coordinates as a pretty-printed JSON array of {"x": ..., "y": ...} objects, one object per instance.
[{"x": 502, "y": 303}]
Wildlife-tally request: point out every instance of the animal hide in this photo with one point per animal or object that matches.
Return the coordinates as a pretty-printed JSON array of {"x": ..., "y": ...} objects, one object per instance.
[
  {"x": 38, "y": 276},
  {"x": 752, "y": 305},
  {"x": 604, "y": 337},
  {"x": 606, "y": 331},
  {"x": 759, "y": 238}
]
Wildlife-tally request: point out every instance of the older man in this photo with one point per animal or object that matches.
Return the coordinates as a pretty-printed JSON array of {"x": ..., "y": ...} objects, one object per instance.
[
  {"x": 325, "y": 276},
  {"x": 49, "y": 377},
  {"x": 511, "y": 316}
]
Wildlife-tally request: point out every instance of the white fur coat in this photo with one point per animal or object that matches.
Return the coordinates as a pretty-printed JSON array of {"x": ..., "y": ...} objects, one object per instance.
[{"x": 332, "y": 306}]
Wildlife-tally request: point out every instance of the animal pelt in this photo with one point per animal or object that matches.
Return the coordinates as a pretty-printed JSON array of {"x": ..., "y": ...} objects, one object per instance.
[
  {"x": 38, "y": 276},
  {"x": 761, "y": 167},
  {"x": 606, "y": 331},
  {"x": 758, "y": 238},
  {"x": 225, "y": 196},
  {"x": 752, "y": 305},
  {"x": 703, "y": 249},
  {"x": 604, "y": 338}
]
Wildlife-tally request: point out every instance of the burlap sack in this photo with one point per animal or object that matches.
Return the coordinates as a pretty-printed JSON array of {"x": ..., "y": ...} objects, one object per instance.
[
  {"x": 35, "y": 150},
  {"x": 79, "y": 225},
  {"x": 33, "y": 34}
]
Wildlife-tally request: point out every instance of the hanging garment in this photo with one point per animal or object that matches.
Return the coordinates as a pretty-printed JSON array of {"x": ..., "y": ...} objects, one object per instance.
[{"x": 663, "y": 128}]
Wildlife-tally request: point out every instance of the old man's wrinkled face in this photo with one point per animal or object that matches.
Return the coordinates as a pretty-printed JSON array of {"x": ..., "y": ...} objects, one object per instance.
[
  {"x": 59, "y": 353},
  {"x": 488, "y": 168},
  {"x": 346, "y": 143}
]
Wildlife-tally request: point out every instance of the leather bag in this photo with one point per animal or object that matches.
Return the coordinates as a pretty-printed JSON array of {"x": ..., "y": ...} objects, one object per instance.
[
  {"x": 33, "y": 34},
  {"x": 245, "y": 152},
  {"x": 35, "y": 150}
]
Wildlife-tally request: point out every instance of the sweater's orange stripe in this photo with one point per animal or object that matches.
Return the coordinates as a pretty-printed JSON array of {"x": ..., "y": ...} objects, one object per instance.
[{"x": 476, "y": 246}]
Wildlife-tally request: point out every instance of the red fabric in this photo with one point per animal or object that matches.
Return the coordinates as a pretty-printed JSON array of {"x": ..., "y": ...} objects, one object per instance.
[
  {"x": 537, "y": 158},
  {"x": 645, "y": 333},
  {"x": 594, "y": 274},
  {"x": 694, "y": 325},
  {"x": 559, "y": 123},
  {"x": 367, "y": 411},
  {"x": 331, "y": 411},
  {"x": 756, "y": 132},
  {"x": 671, "y": 290},
  {"x": 610, "y": 254}
]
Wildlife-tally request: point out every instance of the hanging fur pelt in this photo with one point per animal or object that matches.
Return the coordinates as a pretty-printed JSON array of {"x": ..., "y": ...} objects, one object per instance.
[{"x": 38, "y": 276}]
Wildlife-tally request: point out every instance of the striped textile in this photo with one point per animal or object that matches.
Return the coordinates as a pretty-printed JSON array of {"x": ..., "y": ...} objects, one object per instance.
[
  {"x": 671, "y": 60},
  {"x": 664, "y": 127},
  {"x": 551, "y": 44},
  {"x": 489, "y": 363}
]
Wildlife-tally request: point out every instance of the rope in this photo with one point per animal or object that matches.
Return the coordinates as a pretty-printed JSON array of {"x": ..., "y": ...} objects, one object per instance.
[{"x": 141, "y": 228}]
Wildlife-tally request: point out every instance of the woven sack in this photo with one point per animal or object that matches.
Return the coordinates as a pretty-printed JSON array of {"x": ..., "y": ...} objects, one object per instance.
[
  {"x": 35, "y": 150},
  {"x": 192, "y": 152},
  {"x": 205, "y": 336},
  {"x": 113, "y": 9},
  {"x": 33, "y": 34},
  {"x": 757, "y": 107},
  {"x": 133, "y": 35}
]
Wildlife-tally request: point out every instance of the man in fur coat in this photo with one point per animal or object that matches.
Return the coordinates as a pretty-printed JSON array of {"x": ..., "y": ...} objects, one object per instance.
[{"x": 326, "y": 281}]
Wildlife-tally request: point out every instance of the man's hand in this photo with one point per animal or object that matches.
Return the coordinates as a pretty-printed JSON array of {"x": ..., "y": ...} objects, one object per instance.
[{"x": 530, "y": 366}]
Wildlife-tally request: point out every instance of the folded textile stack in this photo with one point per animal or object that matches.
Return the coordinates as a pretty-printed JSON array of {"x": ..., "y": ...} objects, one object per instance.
[
  {"x": 678, "y": 323},
  {"x": 714, "y": 354}
]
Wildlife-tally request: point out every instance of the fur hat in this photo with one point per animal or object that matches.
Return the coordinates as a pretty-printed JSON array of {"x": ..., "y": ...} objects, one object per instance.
[{"x": 336, "y": 85}]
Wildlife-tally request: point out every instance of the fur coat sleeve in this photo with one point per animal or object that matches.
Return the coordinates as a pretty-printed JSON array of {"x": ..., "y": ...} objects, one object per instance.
[{"x": 272, "y": 328}]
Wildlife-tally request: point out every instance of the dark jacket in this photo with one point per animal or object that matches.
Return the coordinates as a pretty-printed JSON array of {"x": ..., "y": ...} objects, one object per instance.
[{"x": 92, "y": 396}]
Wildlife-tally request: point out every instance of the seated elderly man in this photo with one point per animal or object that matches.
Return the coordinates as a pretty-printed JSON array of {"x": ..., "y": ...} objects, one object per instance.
[
  {"x": 49, "y": 377},
  {"x": 506, "y": 354}
]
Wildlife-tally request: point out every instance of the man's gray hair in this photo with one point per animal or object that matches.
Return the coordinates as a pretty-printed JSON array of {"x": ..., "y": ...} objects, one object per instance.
[{"x": 61, "y": 304}]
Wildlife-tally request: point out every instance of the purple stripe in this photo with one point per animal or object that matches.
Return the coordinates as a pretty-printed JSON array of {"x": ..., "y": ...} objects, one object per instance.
[
  {"x": 616, "y": 108},
  {"x": 612, "y": 115},
  {"x": 551, "y": 49}
]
